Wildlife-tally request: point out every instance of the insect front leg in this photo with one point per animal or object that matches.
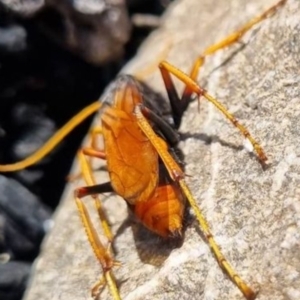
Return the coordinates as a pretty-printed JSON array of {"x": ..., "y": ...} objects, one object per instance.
[{"x": 102, "y": 253}]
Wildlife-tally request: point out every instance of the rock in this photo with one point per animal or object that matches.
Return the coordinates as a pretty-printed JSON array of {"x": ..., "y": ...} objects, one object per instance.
[
  {"x": 13, "y": 279},
  {"x": 33, "y": 129},
  {"x": 13, "y": 39},
  {"x": 94, "y": 30},
  {"x": 23, "y": 219},
  {"x": 25, "y": 8},
  {"x": 253, "y": 213}
]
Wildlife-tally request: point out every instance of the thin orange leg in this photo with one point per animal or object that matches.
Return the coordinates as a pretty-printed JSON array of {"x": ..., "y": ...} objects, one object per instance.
[
  {"x": 94, "y": 150},
  {"x": 103, "y": 254},
  {"x": 90, "y": 180},
  {"x": 94, "y": 133},
  {"x": 177, "y": 174},
  {"x": 226, "y": 42},
  {"x": 91, "y": 152},
  {"x": 167, "y": 69}
]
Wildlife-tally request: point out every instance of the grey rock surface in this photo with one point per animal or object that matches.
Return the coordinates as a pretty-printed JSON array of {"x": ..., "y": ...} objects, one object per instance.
[{"x": 254, "y": 213}]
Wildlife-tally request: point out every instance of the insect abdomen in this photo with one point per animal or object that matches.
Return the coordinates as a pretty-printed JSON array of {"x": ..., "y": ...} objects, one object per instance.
[{"x": 162, "y": 213}]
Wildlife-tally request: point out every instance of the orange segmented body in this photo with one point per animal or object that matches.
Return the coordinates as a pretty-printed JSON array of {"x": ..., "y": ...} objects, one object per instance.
[
  {"x": 133, "y": 165},
  {"x": 163, "y": 212},
  {"x": 132, "y": 161}
]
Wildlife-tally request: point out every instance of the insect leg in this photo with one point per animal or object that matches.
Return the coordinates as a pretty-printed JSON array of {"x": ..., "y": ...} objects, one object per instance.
[
  {"x": 94, "y": 132},
  {"x": 92, "y": 190},
  {"x": 90, "y": 180},
  {"x": 177, "y": 175},
  {"x": 168, "y": 132},
  {"x": 92, "y": 152},
  {"x": 226, "y": 42},
  {"x": 102, "y": 253},
  {"x": 167, "y": 69}
]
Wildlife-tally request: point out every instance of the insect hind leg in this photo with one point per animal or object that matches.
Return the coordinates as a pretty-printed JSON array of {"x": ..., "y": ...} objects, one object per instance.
[{"x": 177, "y": 175}]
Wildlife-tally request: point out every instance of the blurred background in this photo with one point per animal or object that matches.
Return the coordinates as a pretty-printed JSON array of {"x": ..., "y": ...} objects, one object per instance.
[{"x": 56, "y": 57}]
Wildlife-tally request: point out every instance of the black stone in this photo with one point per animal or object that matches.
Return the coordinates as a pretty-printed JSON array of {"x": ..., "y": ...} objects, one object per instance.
[
  {"x": 23, "y": 219},
  {"x": 13, "y": 279}
]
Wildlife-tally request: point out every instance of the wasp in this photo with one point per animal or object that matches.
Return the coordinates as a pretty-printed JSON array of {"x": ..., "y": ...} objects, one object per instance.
[{"x": 140, "y": 154}]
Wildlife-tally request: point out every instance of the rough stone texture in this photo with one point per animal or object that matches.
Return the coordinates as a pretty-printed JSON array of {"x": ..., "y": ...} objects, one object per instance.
[{"x": 254, "y": 213}]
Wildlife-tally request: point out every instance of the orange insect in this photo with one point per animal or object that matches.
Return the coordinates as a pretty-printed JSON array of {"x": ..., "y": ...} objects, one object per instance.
[{"x": 143, "y": 169}]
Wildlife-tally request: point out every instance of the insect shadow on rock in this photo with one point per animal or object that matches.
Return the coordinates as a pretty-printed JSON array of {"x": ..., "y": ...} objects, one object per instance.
[{"x": 140, "y": 140}]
